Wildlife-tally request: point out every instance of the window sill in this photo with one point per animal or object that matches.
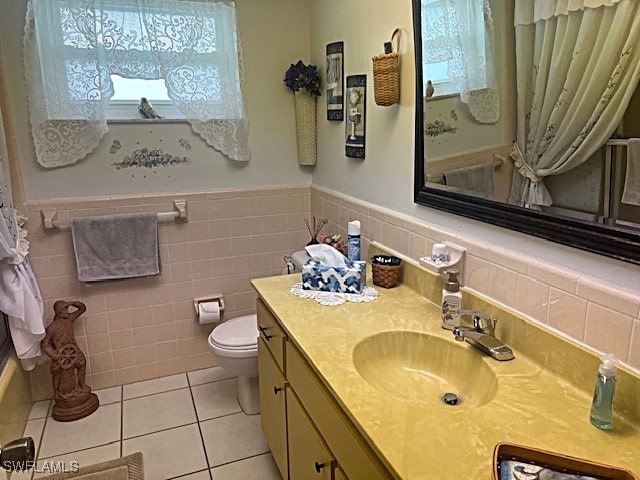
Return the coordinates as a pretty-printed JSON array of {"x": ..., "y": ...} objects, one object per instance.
[
  {"x": 145, "y": 121},
  {"x": 440, "y": 97}
]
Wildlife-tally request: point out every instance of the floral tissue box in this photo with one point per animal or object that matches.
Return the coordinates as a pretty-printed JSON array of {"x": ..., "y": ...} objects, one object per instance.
[{"x": 349, "y": 279}]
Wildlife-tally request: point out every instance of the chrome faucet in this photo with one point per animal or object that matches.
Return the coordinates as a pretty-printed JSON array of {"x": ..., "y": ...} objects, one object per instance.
[{"x": 482, "y": 335}]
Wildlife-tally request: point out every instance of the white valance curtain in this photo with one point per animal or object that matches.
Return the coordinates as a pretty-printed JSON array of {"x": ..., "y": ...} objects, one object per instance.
[
  {"x": 72, "y": 47},
  {"x": 20, "y": 296},
  {"x": 461, "y": 32},
  {"x": 578, "y": 64}
]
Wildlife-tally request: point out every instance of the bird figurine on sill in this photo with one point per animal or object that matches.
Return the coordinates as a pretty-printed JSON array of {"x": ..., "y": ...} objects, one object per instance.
[
  {"x": 429, "y": 90},
  {"x": 146, "y": 109}
]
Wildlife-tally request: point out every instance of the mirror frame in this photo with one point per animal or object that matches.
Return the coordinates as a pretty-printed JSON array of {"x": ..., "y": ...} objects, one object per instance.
[{"x": 605, "y": 240}]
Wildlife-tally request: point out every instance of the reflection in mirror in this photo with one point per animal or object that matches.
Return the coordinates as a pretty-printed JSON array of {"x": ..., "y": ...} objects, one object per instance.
[{"x": 509, "y": 129}]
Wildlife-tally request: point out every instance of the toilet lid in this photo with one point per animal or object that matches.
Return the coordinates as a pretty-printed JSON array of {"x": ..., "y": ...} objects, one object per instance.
[{"x": 238, "y": 333}]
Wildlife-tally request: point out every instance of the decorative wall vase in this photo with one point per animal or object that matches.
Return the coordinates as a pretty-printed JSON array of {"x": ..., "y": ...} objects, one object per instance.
[
  {"x": 306, "y": 134},
  {"x": 72, "y": 396}
]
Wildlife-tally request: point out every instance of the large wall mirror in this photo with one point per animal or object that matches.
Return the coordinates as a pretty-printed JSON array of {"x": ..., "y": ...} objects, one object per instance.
[{"x": 560, "y": 161}]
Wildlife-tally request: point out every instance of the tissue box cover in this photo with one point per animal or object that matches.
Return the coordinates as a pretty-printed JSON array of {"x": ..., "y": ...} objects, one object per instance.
[{"x": 326, "y": 278}]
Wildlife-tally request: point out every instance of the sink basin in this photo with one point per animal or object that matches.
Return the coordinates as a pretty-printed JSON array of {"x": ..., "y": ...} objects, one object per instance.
[{"x": 419, "y": 368}]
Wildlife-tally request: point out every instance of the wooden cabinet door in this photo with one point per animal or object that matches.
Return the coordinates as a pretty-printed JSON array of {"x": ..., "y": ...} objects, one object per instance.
[
  {"x": 338, "y": 474},
  {"x": 273, "y": 415},
  {"x": 309, "y": 457}
]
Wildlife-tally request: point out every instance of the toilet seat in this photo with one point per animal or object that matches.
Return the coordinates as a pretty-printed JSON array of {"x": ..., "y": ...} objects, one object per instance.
[{"x": 238, "y": 335}]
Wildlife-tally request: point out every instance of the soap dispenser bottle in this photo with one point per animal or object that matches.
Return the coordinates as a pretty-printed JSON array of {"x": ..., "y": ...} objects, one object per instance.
[
  {"x": 451, "y": 299},
  {"x": 602, "y": 406}
]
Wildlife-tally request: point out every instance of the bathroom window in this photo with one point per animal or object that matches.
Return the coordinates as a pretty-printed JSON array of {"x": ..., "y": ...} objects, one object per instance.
[
  {"x": 98, "y": 58},
  {"x": 457, "y": 45}
]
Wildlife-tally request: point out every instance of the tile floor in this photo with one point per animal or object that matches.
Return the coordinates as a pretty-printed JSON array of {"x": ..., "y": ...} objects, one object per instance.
[{"x": 188, "y": 426}]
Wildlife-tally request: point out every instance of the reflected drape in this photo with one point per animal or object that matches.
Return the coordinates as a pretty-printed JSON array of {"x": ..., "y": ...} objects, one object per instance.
[
  {"x": 461, "y": 32},
  {"x": 577, "y": 67}
]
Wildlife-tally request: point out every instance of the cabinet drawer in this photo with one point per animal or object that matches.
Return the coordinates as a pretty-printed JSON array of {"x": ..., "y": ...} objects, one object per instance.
[
  {"x": 271, "y": 333},
  {"x": 273, "y": 411},
  {"x": 351, "y": 450},
  {"x": 309, "y": 457}
]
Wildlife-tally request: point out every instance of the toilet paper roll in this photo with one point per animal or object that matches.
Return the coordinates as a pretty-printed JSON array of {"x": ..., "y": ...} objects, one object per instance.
[{"x": 208, "y": 312}]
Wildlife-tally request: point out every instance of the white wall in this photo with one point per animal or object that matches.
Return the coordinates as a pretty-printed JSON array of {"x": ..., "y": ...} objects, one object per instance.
[
  {"x": 274, "y": 34},
  {"x": 385, "y": 176}
]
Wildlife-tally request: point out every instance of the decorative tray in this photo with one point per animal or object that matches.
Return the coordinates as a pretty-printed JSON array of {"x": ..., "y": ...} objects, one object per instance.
[{"x": 515, "y": 462}]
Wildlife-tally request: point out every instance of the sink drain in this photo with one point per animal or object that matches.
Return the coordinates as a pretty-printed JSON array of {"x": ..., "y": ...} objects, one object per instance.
[{"x": 450, "y": 399}]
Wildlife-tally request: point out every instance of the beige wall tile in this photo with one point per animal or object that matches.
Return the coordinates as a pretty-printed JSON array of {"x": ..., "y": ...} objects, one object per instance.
[
  {"x": 553, "y": 276},
  {"x": 119, "y": 320},
  {"x": 532, "y": 298},
  {"x": 122, "y": 339},
  {"x": 96, "y": 323},
  {"x": 99, "y": 343},
  {"x": 101, "y": 362},
  {"x": 625, "y": 302},
  {"x": 567, "y": 313},
  {"x": 142, "y": 316},
  {"x": 126, "y": 375},
  {"x": 502, "y": 284},
  {"x": 179, "y": 252},
  {"x": 124, "y": 358},
  {"x": 608, "y": 331}
]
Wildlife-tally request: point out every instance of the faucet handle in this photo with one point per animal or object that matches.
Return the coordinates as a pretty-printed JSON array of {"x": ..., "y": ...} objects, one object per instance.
[{"x": 482, "y": 322}]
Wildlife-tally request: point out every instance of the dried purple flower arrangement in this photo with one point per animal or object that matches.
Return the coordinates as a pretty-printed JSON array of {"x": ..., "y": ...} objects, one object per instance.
[{"x": 303, "y": 76}]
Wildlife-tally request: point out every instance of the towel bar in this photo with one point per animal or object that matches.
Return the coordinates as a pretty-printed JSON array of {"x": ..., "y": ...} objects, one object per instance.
[
  {"x": 180, "y": 214},
  {"x": 439, "y": 177}
]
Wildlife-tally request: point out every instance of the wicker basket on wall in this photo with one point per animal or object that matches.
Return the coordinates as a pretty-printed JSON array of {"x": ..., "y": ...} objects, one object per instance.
[
  {"x": 306, "y": 136},
  {"x": 386, "y": 75}
]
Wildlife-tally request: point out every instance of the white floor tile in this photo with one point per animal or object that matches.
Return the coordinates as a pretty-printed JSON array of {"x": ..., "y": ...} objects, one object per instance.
[
  {"x": 169, "y": 453},
  {"x": 232, "y": 438},
  {"x": 157, "y": 385},
  {"x": 99, "y": 428},
  {"x": 261, "y": 467},
  {"x": 109, "y": 395},
  {"x": 79, "y": 459},
  {"x": 39, "y": 409},
  {"x": 157, "y": 412},
  {"x": 34, "y": 429},
  {"x": 216, "y": 399},
  {"x": 208, "y": 375},
  {"x": 204, "y": 475}
]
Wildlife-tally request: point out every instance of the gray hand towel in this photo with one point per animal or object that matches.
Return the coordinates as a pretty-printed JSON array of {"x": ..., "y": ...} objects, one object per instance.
[
  {"x": 116, "y": 246},
  {"x": 478, "y": 178}
]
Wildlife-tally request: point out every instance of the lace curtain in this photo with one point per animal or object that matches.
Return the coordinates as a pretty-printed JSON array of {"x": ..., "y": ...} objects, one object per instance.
[
  {"x": 72, "y": 47},
  {"x": 20, "y": 296},
  {"x": 461, "y": 33},
  {"x": 577, "y": 66}
]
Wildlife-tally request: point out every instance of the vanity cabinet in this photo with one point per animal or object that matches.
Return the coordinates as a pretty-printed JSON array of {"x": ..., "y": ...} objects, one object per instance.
[
  {"x": 309, "y": 456},
  {"x": 273, "y": 407},
  {"x": 309, "y": 435}
]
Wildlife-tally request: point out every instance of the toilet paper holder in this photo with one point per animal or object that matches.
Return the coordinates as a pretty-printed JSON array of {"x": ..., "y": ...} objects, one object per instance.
[{"x": 216, "y": 297}]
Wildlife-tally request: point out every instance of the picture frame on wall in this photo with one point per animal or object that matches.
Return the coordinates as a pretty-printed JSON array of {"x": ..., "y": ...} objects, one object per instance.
[
  {"x": 356, "y": 95},
  {"x": 335, "y": 81}
]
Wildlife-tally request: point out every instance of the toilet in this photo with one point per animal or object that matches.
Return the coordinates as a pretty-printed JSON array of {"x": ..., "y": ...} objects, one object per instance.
[{"x": 234, "y": 345}]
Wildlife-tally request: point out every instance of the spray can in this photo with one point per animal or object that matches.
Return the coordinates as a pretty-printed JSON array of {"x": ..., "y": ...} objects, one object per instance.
[{"x": 353, "y": 241}]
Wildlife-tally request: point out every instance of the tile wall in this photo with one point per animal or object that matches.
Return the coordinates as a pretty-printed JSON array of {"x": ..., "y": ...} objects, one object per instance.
[
  {"x": 579, "y": 306},
  {"x": 145, "y": 328}
]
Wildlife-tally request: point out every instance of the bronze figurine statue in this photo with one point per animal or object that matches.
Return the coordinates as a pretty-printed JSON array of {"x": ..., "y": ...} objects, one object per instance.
[{"x": 72, "y": 396}]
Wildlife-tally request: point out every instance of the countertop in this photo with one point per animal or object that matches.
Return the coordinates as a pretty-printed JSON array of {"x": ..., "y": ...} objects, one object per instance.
[{"x": 531, "y": 407}]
